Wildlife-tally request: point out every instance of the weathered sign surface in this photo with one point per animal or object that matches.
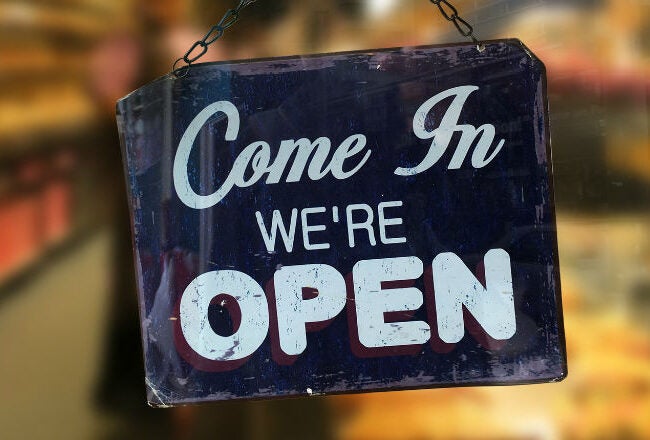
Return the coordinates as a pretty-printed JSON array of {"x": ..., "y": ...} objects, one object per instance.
[{"x": 346, "y": 222}]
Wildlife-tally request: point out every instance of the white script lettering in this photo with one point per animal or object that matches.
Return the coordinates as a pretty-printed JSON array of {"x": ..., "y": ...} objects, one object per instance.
[
  {"x": 441, "y": 136},
  {"x": 257, "y": 157}
]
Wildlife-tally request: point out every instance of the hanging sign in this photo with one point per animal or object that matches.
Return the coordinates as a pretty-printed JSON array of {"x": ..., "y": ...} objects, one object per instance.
[{"x": 347, "y": 222}]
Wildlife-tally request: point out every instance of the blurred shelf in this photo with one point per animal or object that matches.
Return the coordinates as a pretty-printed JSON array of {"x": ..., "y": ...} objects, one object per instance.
[
  {"x": 35, "y": 61},
  {"x": 44, "y": 111},
  {"x": 42, "y": 204},
  {"x": 30, "y": 267},
  {"x": 48, "y": 113},
  {"x": 46, "y": 48},
  {"x": 74, "y": 20}
]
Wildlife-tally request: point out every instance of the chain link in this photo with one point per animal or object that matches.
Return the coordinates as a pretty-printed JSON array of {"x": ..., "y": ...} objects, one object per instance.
[
  {"x": 199, "y": 48},
  {"x": 450, "y": 13}
]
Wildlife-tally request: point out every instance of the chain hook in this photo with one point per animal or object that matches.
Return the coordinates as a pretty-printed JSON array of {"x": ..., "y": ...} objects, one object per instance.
[
  {"x": 201, "y": 46},
  {"x": 450, "y": 13}
]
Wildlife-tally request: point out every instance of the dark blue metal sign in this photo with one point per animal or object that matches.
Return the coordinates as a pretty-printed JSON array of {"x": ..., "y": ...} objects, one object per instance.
[{"x": 348, "y": 222}]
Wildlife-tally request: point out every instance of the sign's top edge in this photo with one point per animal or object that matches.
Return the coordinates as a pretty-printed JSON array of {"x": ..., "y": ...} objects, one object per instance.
[{"x": 509, "y": 41}]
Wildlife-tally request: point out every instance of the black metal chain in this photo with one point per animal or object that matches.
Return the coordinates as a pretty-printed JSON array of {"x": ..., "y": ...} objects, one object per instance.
[
  {"x": 200, "y": 47},
  {"x": 450, "y": 13}
]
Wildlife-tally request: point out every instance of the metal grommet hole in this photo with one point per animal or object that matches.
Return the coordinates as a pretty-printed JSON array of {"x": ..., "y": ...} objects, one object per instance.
[{"x": 180, "y": 72}]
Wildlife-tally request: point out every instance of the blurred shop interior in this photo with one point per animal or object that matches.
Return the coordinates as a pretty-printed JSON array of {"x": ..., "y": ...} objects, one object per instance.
[{"x": 69, "y": 330}]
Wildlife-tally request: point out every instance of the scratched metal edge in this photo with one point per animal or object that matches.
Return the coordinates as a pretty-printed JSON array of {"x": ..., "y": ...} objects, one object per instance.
[
  {"x": 135, "y": 262},
  {"x": 194, "y": 67},
  {"x": 295, "y": 395},
  {"x": 551, "y": 181}
]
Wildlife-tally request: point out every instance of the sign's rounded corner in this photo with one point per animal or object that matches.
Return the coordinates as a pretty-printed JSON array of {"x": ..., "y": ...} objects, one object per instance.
[
  {"x": 157, "y": 405},
  {"x": 142, "y": 88},
  {"x": 562, "y": 376},
  {"x": 536, "y": 62}
]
